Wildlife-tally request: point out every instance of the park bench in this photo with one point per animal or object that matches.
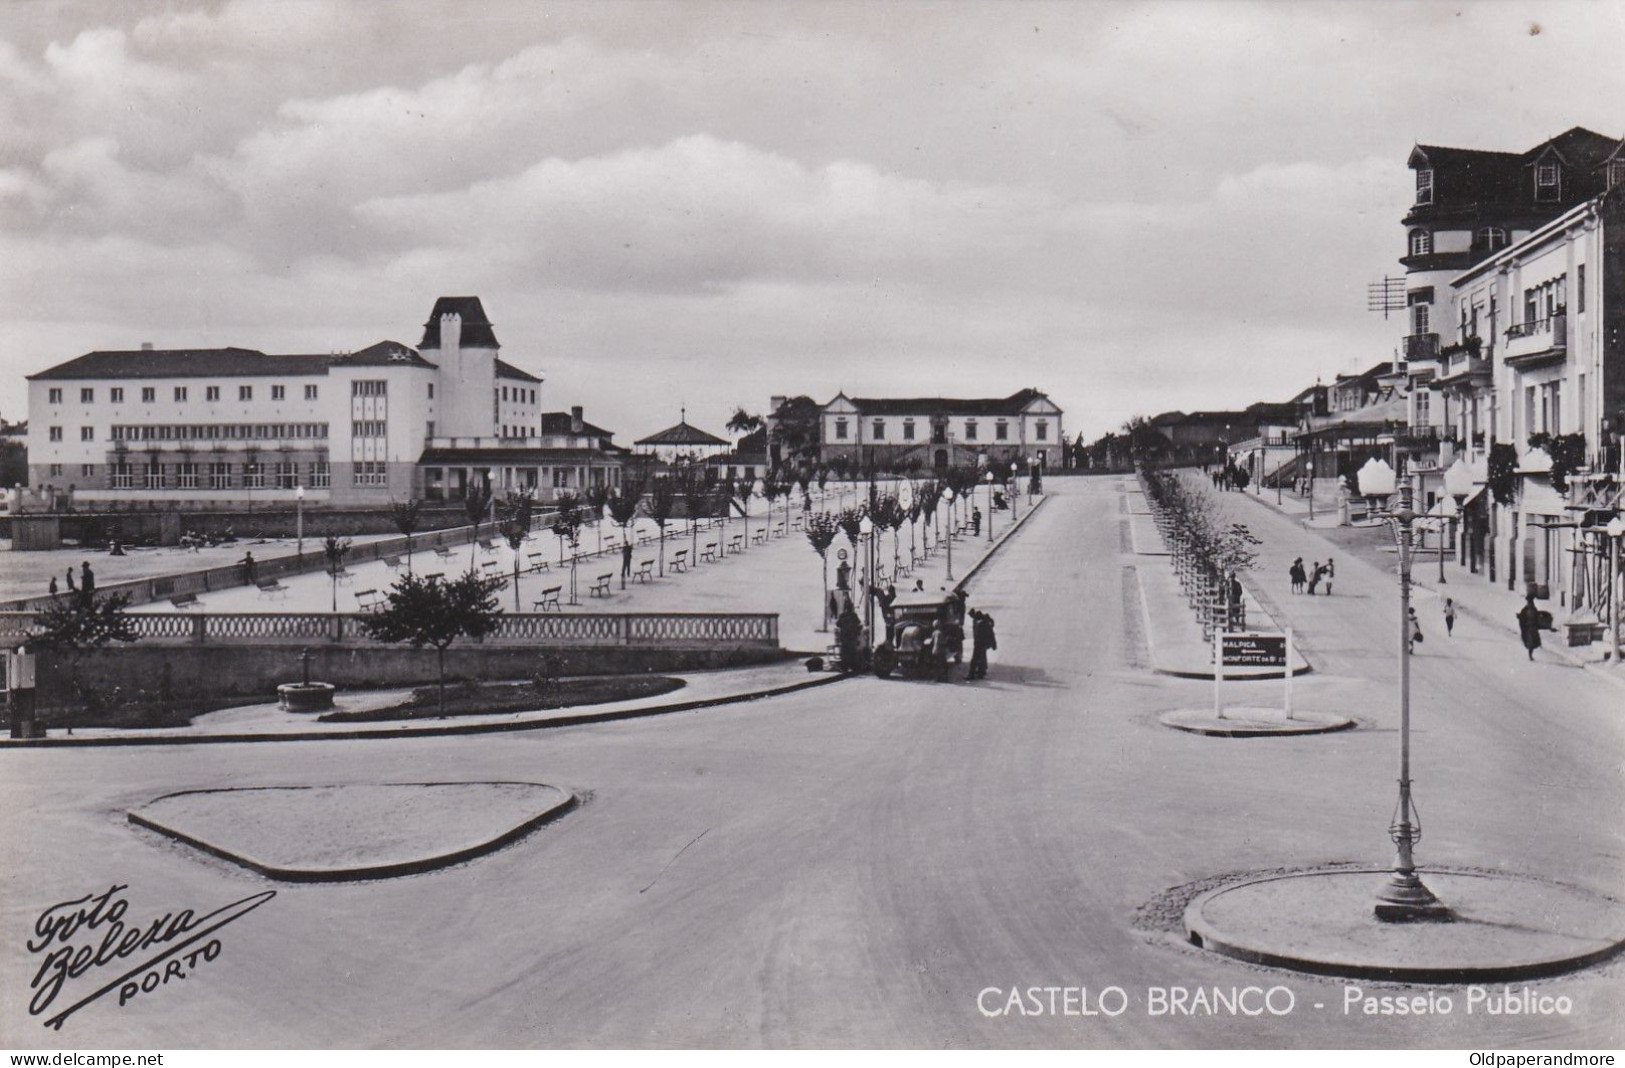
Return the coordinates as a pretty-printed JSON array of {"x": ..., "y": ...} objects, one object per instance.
[
  {"x": 709, "y": 553},
  {"x": 736, "y": 543},
  {"x": 905, "y": 571},
  {"x": 272, "y": 589},
  {"x": 442, "y": 552},
  {"x": 538, "y": 562},
  {"x": 369, "y": 600},
  {"x": 490, "y": 568},
  {"x": 392, "y": 562},
  {"x": 778, "y": 530},
  {"x": 644, "y": 539},
  {"x": 645, "y": 571},
  {"x": 600, "y": 585},
  {"x": 759, "y": 537},
  {"x": 427, "y": 575},
  {"x": 343, "y": 576},
  {"x": 184, "y": 600},
  {"x": 549, "y": 599},
  {"x": 796, "y": 523},
  {"x": 679, "y": 560},
  {"x": 487, "y": 545}
]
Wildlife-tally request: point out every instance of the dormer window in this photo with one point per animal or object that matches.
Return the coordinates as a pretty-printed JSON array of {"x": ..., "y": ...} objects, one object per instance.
[
  {"x": 1421, "y": 242},
  {"x": 1616, "y": 172},
  {"x": 1548, "y": 181},
  {"x": 1424, "y": 185}
]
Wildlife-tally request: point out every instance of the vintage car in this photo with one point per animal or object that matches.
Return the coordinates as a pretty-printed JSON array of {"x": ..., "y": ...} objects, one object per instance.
[{"x": 910, "y": 648}]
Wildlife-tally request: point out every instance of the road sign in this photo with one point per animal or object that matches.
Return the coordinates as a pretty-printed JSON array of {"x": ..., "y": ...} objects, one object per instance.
[{"x": 1254, "y": 650}]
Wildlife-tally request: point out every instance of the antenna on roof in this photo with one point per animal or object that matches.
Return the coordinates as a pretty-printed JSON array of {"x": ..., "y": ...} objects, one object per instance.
[{"x": 1385, "y": 296}]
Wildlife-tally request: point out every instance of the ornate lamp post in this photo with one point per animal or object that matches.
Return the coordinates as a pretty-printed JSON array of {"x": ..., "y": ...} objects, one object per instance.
[
  {"x": 866, "y": 528},
  {"x": 1616, "y": 530},
  {"x": 989, "y": 506},
  {"x": 299, "y": 520},
  {"x": 1404, "y": 898},
  {"x": 948, "y": 501},
  {"x": 1311, "y": 488}
]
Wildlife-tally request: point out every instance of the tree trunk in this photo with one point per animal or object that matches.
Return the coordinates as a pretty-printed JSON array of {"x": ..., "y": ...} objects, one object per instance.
[{"x": 440, "y": 654}]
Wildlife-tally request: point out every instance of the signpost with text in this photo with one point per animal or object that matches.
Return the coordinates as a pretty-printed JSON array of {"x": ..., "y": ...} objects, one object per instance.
[{"x": 1252, "y": 650}]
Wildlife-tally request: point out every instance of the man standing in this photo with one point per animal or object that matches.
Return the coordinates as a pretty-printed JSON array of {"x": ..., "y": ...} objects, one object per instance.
[
  {"x": 626, "y": 559},
  {"x": 849, "y": 638},
  {"x": 87, "y": 578},
  {"x": 982, "y": 640},
  {"x": 975, "y": 521}
]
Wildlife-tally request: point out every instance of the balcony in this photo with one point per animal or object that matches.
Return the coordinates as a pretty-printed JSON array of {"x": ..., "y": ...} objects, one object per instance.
[
  {"x": 1423, "y": 437},
  {"x": 1421, "y": 346},
  {"x": 1538, "y": 341}
]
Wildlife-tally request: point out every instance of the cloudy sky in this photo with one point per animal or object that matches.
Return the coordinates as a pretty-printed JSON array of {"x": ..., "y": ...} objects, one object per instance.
[{"x": 1135, "y": 207}]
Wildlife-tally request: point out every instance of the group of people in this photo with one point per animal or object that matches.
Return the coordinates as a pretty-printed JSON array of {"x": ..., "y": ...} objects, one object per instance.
[
  {"x": 1229, "y": 477},
  {"x": 1308, "y": 581},
  {"x": 86, "y": 584},
  {"x": 944, "y": 645}
]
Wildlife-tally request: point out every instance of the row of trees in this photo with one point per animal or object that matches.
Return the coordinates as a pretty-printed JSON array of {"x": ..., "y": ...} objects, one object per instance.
[{"x": 1208, "y": 549}]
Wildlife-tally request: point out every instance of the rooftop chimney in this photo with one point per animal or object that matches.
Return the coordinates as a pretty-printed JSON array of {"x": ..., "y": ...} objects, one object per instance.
[
  {"x": 575, "y": 419},
  {"x": 774, "y": 404},
  {"x": 146, "y": 346}
]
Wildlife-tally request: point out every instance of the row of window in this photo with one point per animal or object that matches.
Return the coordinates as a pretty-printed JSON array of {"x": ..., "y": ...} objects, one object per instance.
[
  {"x": 1548, "y": 181},
  {"x": 519, "y": 394},
  {"x": 368, "y": 428},
  {"x": 216, "y": 475},
  {"x": 1001, "y": 430},
  {"x": 149, "y": 394},
  {"x": 206, "y": 432},
  {"x": 1486, "y": 239}
]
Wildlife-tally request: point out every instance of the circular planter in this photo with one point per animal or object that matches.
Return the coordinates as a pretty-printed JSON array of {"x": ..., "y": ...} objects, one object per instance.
[{"x": 305, "y": 696}]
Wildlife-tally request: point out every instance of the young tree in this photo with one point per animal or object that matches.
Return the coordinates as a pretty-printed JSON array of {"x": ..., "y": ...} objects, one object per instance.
[
  {"x": 773, "y": 489},
  {"x": 597, "y": 496},
  {"x": 521, "y": 506},
  {"x": 436, "y": 613},
  {"x": 408, "y": 515},
  {"x": 78, "y": 623},
  {"x": 335, "y": 549},
  {"x": 821, "y": 531},
  {"x": 694, "y": 493},
  {"x": 476, "y": 503},
  {"x": 567, "y": 525},
  {"x": 743, "y": 491},
  {"x": 662, "y": 502},
  {"x": 724, "y": 491},
  {"x": 623, "y": 508}
]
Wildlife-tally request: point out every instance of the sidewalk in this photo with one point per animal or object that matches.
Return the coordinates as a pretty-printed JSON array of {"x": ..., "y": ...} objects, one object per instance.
[
  {"x": 1475, "y": 597},
  {"x": 1172, "y": 631}
]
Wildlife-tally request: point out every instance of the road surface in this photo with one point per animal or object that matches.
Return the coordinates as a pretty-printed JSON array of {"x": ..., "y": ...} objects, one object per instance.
[{"x": 858, "y": 864}]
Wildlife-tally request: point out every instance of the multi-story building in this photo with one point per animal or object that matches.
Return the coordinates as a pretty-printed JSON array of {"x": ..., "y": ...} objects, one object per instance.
[
  {"x": 232, "y": 425},
  {"x": 941, "y": 432},
  {"x": 1539, "y": 363}
]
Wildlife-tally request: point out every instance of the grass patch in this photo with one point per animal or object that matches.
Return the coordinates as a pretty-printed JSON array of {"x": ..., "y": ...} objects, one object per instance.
[{"x": 482, "y": 699}]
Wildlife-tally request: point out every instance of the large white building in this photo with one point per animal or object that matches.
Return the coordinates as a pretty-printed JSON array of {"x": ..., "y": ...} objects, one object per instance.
[
  {"x": 942, "y": 432},
  {"x": 200, "y": 427}
]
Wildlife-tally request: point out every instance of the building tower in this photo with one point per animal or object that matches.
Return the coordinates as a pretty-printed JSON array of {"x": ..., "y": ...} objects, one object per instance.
[{"x": 459, "y": 338}]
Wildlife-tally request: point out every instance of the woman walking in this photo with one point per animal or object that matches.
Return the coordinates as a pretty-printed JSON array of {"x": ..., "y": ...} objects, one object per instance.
[
  {"x": 1295, "y": 573},
  {"x": 1529, "y": 625},
  {"x": 1449, "y": 618}
]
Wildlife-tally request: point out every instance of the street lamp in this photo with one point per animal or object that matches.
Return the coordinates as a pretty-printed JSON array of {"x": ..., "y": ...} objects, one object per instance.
[
  {"x": 1615, "y": 529},
  {"x": 866, "y": 528},
  {"x": 299, "y": 520},
  {"x": 948, "y": 500},
  {"x": 990, "y": 506},
  {"x": 1311, "y": 488},
  {"x": 1458, "y": 483},
  {"x": 1404, "y": 898}
]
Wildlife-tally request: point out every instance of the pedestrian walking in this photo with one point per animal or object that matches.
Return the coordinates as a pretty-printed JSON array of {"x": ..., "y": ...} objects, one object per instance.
[
  {"x": 1413, "y": 631},
  {"x": 982, "y": 641},
  {"x": 87, "y": 578},
  {"x": 72, "y": 586},
  {"x": 1331, "y": 573},
  {"x": 1449, "y": 618},
  {"x": 1529, "y": 620},
  {"x": 1315, "y": 574},
  {"x": 1295, "y": 573},
  {"x": 626, "y": 559},
  {"x": 53, "y": 586}
]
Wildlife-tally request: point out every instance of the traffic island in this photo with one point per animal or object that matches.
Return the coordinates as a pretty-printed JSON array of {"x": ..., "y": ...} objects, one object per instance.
[
  {"x": 1249, "y": 722},
  {"x": 1502, "y": 926},
  {"x": 341, "y": 833}
]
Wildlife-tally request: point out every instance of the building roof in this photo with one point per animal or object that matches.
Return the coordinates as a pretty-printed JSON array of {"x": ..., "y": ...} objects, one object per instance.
[
  {"x": 1011, "y": 405},
  {"x": 1467, "y": 179},
  {"x": 382, "y": 354},
  {"x": 508, "y": 370},
  {"x": 681, "y": 434},
  {"x": 183, "y": 363},
  {"x": 477, "y": 331},
  {"x": 560, "y": 423}
]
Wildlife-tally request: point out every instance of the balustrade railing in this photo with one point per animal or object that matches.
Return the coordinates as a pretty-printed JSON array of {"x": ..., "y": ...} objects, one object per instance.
[{"x": 547, "y": 628}]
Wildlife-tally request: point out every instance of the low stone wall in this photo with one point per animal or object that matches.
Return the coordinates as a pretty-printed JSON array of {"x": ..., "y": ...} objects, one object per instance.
[{"x": 224, "y": 673}]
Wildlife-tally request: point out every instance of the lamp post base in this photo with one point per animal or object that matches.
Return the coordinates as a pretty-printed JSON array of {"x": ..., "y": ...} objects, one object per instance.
[{"x": 1406, "y": 900}]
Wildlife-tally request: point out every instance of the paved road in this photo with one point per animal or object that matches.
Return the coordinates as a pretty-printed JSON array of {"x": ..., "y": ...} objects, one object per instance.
[{"x": 853, "y": 865}]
